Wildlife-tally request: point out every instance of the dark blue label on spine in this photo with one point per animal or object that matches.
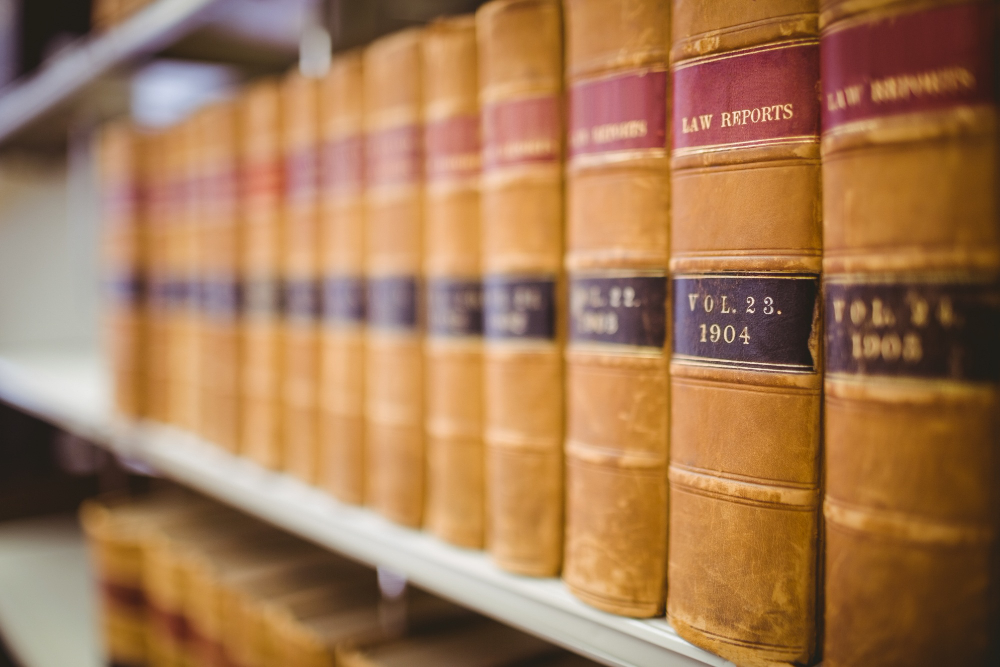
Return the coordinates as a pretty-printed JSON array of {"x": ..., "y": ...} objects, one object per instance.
[
  {"x": 344, "y": 299},
  {"x": 619, "y": 309},
  {"x": 126, "y": 289},
  {"x": 519, "y": 307},
  {"x": 301, "y": 299},
  {"x": 932, "y": 329},
  {"x": 221, "y": 298},
  {"x": 762, "y": 322},
  {"x": 392, "y": 303},
  {"x": 454, "y": 307}
]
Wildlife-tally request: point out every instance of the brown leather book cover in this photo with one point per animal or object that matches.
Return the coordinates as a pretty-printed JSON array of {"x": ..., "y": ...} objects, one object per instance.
[
  {"x": 911, "y": 266},
  {"x": 123, "y": 168},
  {"x": 341, "y": 426},
  {"x": 618, "y": 199},
  {"x": 183, "y": 257},
  {"x": 300, "y": 270},
  {"x": 520, "y": 84},
  {"x": 220, "y": 276},
  {"x": 453, "y": 348},
  {"x": 394, "y": 356},
  {"x": 261, "y": 188},
  {"x": 155, "y": 366},
  {"x": 455, "y": 644},
  {"x": 746, "y": 382}
]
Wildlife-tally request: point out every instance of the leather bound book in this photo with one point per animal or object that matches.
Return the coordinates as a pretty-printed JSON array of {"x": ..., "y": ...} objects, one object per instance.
[
  {"x": 261, "y": 188},
  {"x": 341, "y": 426},
  {"x": 452, "y": 644},
  {"x": 157, "y": 338},
  {"x": 745, "y": 374},
  {"x": 300, "y": 387},
  {"x": 520, "y": 84},
  {"x": 912, "y": 300},
  {"x": 220, "y": 267},
  {"x": 122, "y": 172},
  {"x": 453, "y": 348},
  {"x": 183, "y": 397},
  {"x": 617, "y": 224},
  {"x": 394, "y": 359}
]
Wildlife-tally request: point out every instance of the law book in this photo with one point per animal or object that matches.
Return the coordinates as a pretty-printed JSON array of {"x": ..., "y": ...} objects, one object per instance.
[
  {"x": 244, "y": 600},
  {"x": 341, "y": 425},
  {"x": 746, "y": 381},
  {"x": 456, "y": 644},
  {"x": 300, "y": 271},
  {"x": 220, "y": 276},
  {"x": 114, "y": 527},
  {"x": 261, "y": 177},
  {"x": 316, "y": 641},
  {"x": 453, "y": 349},
  {"x": 183, "y": 251},
  {"x": 521, "y": 208},
  {"x": 911, "y": 265},
  {"x": 617, "y": 195},
  {"x": 157, "y": 197},
  {"x": 169, "y": 635},
  {"x": 122, "y": 173},
  {"x": 394, "y": 363}
]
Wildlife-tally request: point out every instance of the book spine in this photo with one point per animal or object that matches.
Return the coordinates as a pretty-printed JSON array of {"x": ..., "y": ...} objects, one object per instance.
[
  {"x": 262, "y": 187},
  {"x": 912, "y": 301},
  {"x": 746, "y": 376},
  {"x": 300, "y": 386},
  {"x": 220, "y": 294},
  {"x": 117, "y": 561},
  {"x": 394, "y": 363},
  {"x": 155, "y": 366},
  {"x": 520, "y": 83},
  {"x": 618, "y": 197},
  {"x": 341, "y": 466},
  {"x": 183, "y": 281},
  {"x": 121, "y": 168},
  {"x": 453, "y": 348}
]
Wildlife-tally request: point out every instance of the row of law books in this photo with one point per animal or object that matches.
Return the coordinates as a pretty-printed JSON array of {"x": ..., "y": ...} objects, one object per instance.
[
  {"x": 185, "y": 581},
  {"x": 691, "y": 304}
]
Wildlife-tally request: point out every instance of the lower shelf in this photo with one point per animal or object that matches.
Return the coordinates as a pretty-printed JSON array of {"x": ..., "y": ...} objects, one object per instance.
[{"x": 71, "y": 391}]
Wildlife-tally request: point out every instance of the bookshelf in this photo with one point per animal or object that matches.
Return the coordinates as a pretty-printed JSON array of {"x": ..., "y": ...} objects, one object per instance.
[{"x": 69, "y": 388}]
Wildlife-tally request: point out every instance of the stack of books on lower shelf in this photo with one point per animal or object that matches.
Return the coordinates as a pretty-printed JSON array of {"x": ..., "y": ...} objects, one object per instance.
[
  {"x": 186, "y": 581},
  {"x": 691, "y": 304}
]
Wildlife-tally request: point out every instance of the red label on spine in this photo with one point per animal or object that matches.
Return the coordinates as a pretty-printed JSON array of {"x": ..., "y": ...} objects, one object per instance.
[
  {"x": 262, "y": 178},
  {"x": 453, "y": 148},
  {"x": 752, "y": 97},
  {"x": 523, "y": 131},
  {"x": 626, "y": 112},
  {"x": 301, "y": 175},
  {"x": 923, "y": 61},
  {"x": 394, "y": 156},
  {"x": 343, "y": 167}
]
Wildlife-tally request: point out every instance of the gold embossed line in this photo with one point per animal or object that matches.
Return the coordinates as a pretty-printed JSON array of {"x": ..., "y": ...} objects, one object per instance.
[
  {"x": 740, "y": 53},
  {"x": 713, "y": 362},
  {"x": 639, "y": 71},
  {"x": 750, "y": 143}
]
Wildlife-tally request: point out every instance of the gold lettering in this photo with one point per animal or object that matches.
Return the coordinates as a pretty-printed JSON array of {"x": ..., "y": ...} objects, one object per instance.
[
  {"x": 912, "y": 349},
  {"x": 693, "y": 300},
  {"x": 726, "y": 119},
  {"x": 944, "y": 81},
  {"x": 838, "y": 310},
  {"x": 858, "y": 311}
]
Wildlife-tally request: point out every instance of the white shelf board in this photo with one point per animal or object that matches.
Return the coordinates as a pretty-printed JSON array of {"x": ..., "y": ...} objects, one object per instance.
[
  {"x": 69, "y": 72},
  {"x": 47, "y": 603},
  {"x": 70, "y": 389}
]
